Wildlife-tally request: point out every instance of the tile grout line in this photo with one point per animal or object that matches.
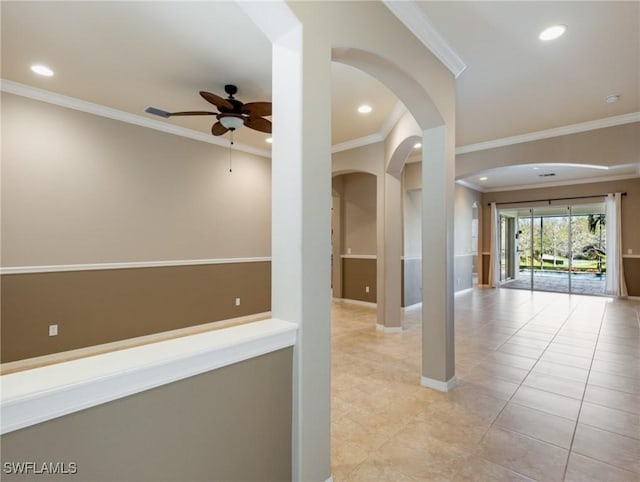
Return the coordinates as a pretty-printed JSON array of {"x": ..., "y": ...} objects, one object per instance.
[
  {"x": 492, "y": 424},
  {"x": 557, "y": 333},
  {"x": 528, "y": 373},
  {"x": 584, "y": 391},
  {"x": 514, "y": 334}
]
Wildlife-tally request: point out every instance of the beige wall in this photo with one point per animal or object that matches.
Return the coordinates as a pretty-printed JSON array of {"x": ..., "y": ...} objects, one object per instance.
[
  {"x": 411, "y": 282},
  {"x": 610, "y": 146},
  {"x": 412, "y": 223},
  {"x": 78, "y": 188},
  {"x": 632, "y": 275},
  {"x": 103, "y": 306},
  {"x": 463, "y": 205},
  {"x": 355, "y": 233},
  {"x": 412, "y": 245},
  {"x": 355, "y": 170},
  {"x": 358, "y": 203},
  {"x": 369, "y": 158},
  {"x": 464, "y": 255},
  {"x": 412, "y": 176},
  {"x": 357, "y": 274},
  {"x": 231, "y": 424},
  {"x": 83, "y": 189}
]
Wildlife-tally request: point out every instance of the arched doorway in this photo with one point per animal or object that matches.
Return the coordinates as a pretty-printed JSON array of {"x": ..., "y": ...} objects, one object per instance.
[{"x": 305, "y": 36}]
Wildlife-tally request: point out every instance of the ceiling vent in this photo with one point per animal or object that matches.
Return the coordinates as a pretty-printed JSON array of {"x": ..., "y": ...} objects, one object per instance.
[{"x": 547, "y": 174}]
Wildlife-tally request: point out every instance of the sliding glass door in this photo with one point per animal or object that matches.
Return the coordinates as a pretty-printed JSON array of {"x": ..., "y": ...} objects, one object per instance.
[
  {"x": 507, "y": 248},
  {"x": 551, "y": 248},
  {"x": 554, "y": 248},
  {"x": 588, "y": 249}
]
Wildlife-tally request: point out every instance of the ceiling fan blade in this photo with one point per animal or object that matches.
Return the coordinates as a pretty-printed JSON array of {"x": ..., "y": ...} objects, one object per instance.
[
  {"x": 257, "y": 108},
  {"x": 259, "y": 124},
  {"x": 193, "y": 112},
  {"x": 160, "y": 112},
  {"x": 218, "y": 129},
  {"x": 218, "y": 101},
  {"x": 166, "y": 115}
]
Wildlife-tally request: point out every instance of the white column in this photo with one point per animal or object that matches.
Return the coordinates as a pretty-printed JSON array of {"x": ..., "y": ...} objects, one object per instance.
[
  {"x": 438, "y": 358},
  {"x": 301, "y": 229}
]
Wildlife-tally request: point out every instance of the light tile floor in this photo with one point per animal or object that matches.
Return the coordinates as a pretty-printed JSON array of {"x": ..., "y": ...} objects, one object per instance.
[{"x": 548, "y": 389}]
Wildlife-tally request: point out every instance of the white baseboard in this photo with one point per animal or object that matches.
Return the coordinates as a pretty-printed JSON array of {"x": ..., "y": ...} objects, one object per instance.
[
  {"x": 412, "y": 307},
  {"x": 355, "y": 302},
  {"x": 437, "y": 384},
  {"x": 461, "y": 292},
  {"x": 388, "y": 329}
]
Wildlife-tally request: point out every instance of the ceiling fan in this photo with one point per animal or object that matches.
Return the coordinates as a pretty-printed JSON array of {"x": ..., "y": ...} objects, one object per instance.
[{"x": 233, "y": 113}]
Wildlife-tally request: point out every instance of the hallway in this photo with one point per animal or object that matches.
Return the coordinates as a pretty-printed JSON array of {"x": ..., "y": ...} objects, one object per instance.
[{"x": 548, "y": 389}]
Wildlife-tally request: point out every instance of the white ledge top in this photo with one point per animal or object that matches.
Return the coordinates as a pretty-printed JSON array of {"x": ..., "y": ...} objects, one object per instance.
[{"x": 40, "y": 394}]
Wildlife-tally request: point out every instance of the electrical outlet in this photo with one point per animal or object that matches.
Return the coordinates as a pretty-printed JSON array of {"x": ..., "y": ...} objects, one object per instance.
[
  {"x": 53, "y": 330},
  {"x": 366, "y": 289},
  {"x": 237, "y": 301}
]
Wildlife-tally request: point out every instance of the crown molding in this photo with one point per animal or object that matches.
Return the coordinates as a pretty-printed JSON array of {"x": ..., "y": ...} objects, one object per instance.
[
  {"x": 359, "y": 142},
  {"x": 555, "y": 132},
  {"x": 412, "y": 16},
  {"x": 589, "y": 180},
  {"x": 103, "y": 111},
  {"x": 469, "y": 185}
]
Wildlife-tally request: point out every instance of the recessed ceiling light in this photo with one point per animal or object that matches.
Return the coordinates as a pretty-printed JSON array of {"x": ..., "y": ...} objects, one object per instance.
[
  {"x": 417, "y": 145},
  {"x": 610, "y": 99},
  {"x": 552, "y": 32},
  {"x": 536, "y": 168},
  {"x": 269, "y": 140},
  {"x": 42, "y": 70},
  {"x": 484, "y": 178},
  {"x": 364, "y": 109}
]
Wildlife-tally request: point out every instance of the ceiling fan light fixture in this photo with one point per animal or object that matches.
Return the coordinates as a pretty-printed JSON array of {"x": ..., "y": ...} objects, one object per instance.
[
  {"x": 232, "y": 122},
  {"x": 553, "y": 32}
]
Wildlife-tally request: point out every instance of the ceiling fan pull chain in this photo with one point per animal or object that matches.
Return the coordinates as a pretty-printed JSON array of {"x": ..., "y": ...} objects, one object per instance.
[{"x": 230, "y": 152}]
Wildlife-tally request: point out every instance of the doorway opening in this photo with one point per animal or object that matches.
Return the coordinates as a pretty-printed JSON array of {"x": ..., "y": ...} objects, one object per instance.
[{"x": 554, "y": 248}]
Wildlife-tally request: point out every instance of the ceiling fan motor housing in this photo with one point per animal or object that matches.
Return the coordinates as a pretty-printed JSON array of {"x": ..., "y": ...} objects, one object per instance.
[{"x": 231, "y": 90}]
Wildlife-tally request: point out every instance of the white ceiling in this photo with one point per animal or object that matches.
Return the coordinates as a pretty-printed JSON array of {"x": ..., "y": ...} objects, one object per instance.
[
  {"x": 545, "y": 175},
  {"x": 515, "y": 83},
  {"x": 130, "y": 55}
]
